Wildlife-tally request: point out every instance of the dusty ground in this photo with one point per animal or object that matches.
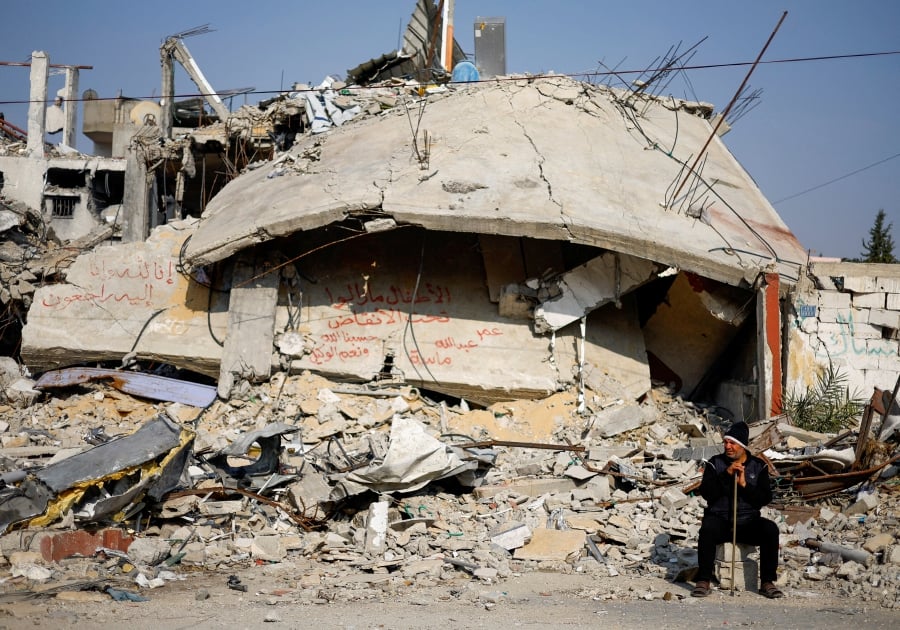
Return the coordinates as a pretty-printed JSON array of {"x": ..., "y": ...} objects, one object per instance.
[{"x": 275, "y": 598}]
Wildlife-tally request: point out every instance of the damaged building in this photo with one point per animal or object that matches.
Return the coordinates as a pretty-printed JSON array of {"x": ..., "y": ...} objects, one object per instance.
[
  {"x": 377, "y": 284},
  {"x": 529, "y": 249}
]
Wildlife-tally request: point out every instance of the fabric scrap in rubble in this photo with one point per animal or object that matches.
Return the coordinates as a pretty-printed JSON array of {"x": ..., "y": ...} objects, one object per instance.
[{"x": 414, "y": 458}]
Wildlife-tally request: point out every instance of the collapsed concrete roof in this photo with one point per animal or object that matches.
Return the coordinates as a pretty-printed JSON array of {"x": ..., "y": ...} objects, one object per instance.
[{"x": 548, "y": 158}]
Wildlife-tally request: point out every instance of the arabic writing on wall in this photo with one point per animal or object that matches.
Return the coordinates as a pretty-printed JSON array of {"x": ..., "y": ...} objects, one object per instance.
[
  {"x": 130, "y": 284},
  {"x": 365, "y": 318},
  {"x": 845, "y": 343},
  {"x": 362, "y": 295}
]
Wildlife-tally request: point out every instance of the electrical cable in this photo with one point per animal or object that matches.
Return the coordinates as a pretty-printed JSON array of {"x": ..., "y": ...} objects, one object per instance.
[
  {"x": 837, "y": 179},
  {"x": 409, "y": 327},
  {"x": 711, "y": 66}
]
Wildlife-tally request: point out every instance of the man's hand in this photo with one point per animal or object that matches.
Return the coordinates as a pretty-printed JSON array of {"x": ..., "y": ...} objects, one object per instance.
[{"x": 737, "y": 470}]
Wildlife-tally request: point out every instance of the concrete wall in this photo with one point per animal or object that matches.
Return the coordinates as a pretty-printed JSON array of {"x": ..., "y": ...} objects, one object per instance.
[
  {"x": 847, "y": 314},
  {"x": 124, "y": 298},
  {"x": 24, "y": 181}
]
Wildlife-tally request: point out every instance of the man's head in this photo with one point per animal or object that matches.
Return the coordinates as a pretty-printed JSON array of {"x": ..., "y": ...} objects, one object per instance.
[{"x": 736, "y": 439}]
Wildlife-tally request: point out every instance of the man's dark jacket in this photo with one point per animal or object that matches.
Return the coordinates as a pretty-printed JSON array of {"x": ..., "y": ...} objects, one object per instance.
[{"x": 717, "y": 488}]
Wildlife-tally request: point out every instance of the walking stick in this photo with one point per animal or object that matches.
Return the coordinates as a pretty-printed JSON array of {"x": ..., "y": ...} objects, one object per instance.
[{"x": 733, "y": 532}]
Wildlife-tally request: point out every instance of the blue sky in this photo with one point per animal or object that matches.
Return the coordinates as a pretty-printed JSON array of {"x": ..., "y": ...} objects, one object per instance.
[{"x": 817, "y": 121}]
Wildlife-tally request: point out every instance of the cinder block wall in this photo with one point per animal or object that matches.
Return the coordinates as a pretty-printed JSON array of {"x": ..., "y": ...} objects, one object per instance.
[{"x": 847, "y": 314}]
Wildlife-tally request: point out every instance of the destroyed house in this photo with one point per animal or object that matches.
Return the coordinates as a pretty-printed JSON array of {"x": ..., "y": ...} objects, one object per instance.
[
  {"x": 490, "y": 241},
  {"x": 505, "y": 240}
]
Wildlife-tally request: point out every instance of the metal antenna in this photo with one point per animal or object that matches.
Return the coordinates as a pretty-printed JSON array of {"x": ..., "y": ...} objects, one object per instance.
[{"x": 203, "y": 29}]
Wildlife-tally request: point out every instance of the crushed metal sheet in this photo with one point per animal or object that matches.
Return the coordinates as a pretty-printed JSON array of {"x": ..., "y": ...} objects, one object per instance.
[
  {"x": 101, "y": 482},
  {"x": 134, "y": 383}
]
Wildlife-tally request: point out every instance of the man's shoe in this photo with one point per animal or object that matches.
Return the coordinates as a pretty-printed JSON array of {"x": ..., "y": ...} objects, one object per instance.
[
  {"x": 768, "y": 589},
  {"x": 701, "y": 589}
]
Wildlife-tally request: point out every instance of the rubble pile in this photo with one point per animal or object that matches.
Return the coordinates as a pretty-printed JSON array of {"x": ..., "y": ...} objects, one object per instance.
[
  {"x": 363, "y": 491},
  {"x": 30, "y": 256}
]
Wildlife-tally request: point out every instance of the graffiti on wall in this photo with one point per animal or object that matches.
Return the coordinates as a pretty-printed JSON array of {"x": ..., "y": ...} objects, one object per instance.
[
  {"x": 844, "y": 343},
  {"x": 129, "y": 284},
  {"x": 364, "y": 317}
]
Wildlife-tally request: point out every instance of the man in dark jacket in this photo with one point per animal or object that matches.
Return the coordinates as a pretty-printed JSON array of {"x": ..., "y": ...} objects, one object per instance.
[{"x": 736, "y": 466}]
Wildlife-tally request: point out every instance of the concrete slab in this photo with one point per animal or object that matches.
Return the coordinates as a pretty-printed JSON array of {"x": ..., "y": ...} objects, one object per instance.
[
  {"x": 515, "y": 158},
  {"x": 126, "y": 298},
  {"x": 551, "y": 544}
]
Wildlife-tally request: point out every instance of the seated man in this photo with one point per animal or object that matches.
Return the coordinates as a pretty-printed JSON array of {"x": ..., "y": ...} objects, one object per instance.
[{"x": 722, "y": 472}]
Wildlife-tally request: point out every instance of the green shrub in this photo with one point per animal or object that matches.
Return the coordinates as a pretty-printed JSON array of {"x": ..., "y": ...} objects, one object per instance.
[{"x": 827, "y": 407}]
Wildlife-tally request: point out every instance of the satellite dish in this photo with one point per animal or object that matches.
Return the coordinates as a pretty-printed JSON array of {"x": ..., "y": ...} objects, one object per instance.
[{"x": 146, "y": 113}]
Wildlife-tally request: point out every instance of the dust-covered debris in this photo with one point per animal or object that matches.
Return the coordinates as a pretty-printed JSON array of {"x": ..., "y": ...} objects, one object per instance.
[{"x": 258, "y": 490}]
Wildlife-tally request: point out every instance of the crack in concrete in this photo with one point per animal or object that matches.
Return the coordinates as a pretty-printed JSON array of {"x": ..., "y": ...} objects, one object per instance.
[{"x": 540, "y": 163}]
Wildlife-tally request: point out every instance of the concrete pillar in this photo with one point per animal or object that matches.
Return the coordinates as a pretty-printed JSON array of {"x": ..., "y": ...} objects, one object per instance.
[
  {"x": 168, "y": 93},
  {"x": 71, "y": 99},
  {"x": 37, "y": 108},
  {"x": 135, "y": 201}
]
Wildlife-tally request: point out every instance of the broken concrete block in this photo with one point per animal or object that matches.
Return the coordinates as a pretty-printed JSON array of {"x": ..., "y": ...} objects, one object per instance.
[
  {"x": 512, "y": 536},
  {"x": 603, "y": 280},
  {"x": 376, "y": 527},
  {"x": 878, "y": 542},
  {"x": 527, "y": 487},
  {"x": 552, "y": 544},
  {"x": 579, "y": 473},
  {"x": 268, "y": 548},
  {"x": 674, "y": 498},
  {"x": 430, "y": 566},
  {"x": 726, "y": 552},
  {"x": 148, "y": 551},
  {"x": 221, "y": 508},
  {"x": 582, "y": 522},
  {"x": 746, "y": 575},
  {"x": 616, "y": 420},
  {"x": 862, "y": 505},
  {"x": 892, "y": 555},
  {"x": 599, "y": 488},
  {"x": 21, "y": 392},
  {"x": 307, "y": 493},
  {"x": 485, "y": 573}
]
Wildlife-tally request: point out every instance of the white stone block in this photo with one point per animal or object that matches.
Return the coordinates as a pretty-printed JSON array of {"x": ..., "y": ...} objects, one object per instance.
[
  {"x": 864, "y": 330},
  {"x": 884, "y": 317},
  {"x": 746, "y": 575},
  {"x": 376, "y": 526},
  {"x": 888, "y": 284},
  {"x": 860, "y": 284},
  {"x": 726, "y": 551},
  {"x": 834, "y": 299},
  {"x": 869, "y": 300},
  {"x": 892, "y": 301},
  {"x": 863, "y": 504},
  {"x": 512, "y": 538},
  {"x": 673, "y": 498},
  {"x": 832, "y": 315}
]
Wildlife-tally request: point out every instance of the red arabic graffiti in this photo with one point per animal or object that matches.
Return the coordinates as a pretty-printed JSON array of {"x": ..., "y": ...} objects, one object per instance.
[
  {"x": 59, "y": 303},
  {"x": 357, "y": 295},
  {"x": 139, "y": 269},
  {"x": 342, "y": 347},
  {"x": 387, "y": 317},
  {"x": 130, "y": 284}
]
